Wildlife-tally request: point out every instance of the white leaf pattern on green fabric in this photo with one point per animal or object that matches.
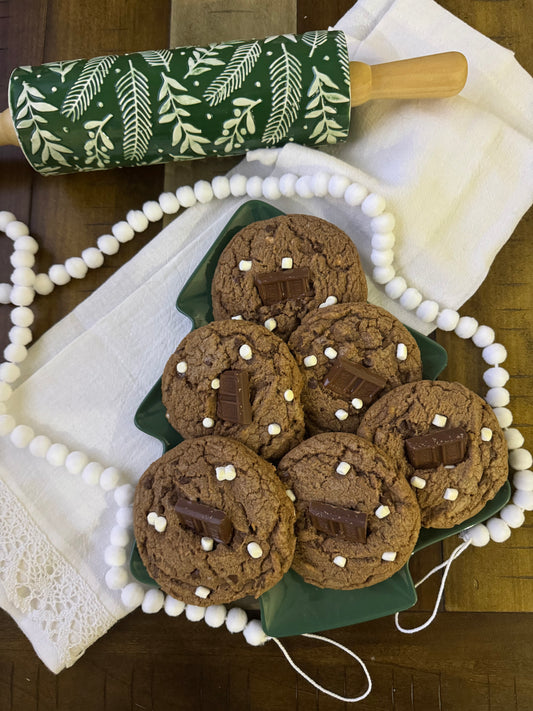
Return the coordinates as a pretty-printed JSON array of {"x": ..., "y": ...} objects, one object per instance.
[
  {"x": 320, "y": 107},
  {"x": 134, "y": 101},
  {"x": 236, "y": 129},
  {"x": 99, "y": 144},
  {"x": 286, "y": 81},
  {"x": 86, "y": 86},
  {"x": 315, "y": 39},
  {"x": 171, "y": 110},
  {"x": 41, "y": 139},
  {"x": 290, "y": 36},
  {"x": 158, "y": 58},
  {"x": 203, "y": 59},
  {"x": 236, "y": 71},
  {"x": 62, "y": 68},
  {"x": 342, "y": 53}
]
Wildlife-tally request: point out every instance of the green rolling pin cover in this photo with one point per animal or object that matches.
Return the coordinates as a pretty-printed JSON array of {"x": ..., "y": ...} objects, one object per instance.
[{"x": 177, "y": 104}]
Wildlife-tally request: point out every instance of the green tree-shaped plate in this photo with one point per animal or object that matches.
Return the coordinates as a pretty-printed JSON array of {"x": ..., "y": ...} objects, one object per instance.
[{"x": 293, "y": 606}]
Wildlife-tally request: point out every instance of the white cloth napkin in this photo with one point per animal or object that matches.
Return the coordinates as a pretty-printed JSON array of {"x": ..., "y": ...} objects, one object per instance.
[{"x": 457, "y": 174}]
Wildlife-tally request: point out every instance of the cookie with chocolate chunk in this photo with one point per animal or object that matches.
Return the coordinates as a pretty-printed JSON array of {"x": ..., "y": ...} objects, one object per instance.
[
  {"x": 357, "y": 520},
  {"x": 236, "y": 379},
  {"x": 449, "y": 445},
  {"x": 213, "y": 523},
  {"x": 350, "y": 355},
  {"x": 275, "y": 271}
]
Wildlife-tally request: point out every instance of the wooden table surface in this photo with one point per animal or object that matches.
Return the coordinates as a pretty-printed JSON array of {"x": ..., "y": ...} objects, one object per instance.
[{"x": 477, "y": 655}]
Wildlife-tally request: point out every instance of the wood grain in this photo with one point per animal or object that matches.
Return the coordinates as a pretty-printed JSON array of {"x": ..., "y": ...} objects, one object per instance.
[
  {"x": 501, "y": 579},
  {"x": 477, "y": 655},
  {"x": 221, "y": 21}
]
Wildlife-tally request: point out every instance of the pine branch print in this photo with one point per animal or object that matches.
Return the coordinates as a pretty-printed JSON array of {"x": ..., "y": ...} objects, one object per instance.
[
  {"x": 315, "y": 39},
  {"x": 173, "y": 110},
  {"x": 322, "y": 107},
  {"x": 344, "y": 59},
  {"x": 286, "y": 81},
  {"x": 203, "y": 59},
  {"x": 29, "y": 110},
  {"x": 134, "y": 101},
  {"x": 86, "y": 86},
  {"x": 158, "y": 58},
  {"x": 62, "y": 68},
  {"x": 233, "y": 76}
]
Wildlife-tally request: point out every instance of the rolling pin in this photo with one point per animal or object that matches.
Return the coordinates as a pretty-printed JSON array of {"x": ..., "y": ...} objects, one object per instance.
[{"x": 226, "y": 98}]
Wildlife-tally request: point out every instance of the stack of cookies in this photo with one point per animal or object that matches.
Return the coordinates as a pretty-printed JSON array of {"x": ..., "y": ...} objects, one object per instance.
[{"x": 311, "y": 440}]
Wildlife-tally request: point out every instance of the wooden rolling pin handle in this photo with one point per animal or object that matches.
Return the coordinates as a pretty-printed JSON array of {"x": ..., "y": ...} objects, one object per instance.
[
  {"x": 432, "y": 76},
  {"x": 8, "y": 136}
]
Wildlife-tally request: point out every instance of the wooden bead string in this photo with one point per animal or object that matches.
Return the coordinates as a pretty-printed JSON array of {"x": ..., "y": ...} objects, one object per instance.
[{"x": 25, "y": 284}]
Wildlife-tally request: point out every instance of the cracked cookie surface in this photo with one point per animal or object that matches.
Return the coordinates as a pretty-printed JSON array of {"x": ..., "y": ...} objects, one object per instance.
[
  {"x": 284, "y": 244},
  {"x": 344, "y": 470},
  {"x": 447, "y": 494},
  {"x": 262, "y": 542},
  {"x": 364, "y": 334},
  {"x": 191, "y": 384}
]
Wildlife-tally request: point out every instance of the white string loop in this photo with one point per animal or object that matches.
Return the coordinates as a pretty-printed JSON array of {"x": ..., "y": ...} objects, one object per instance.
[
  {"x": 446, "y": 565},
  {"x": 347, "y": 699}
]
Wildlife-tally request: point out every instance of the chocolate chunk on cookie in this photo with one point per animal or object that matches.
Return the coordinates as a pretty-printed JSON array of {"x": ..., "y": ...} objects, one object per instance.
[
  {"x": 448, "y": 443},
  {"x": 236, "y": 379},
  {"x": 275, "y": 271},
  {"x": 213, "y": 523},
  {"x": 349, "y": 356},
  {"x": 357, "y": 519}
]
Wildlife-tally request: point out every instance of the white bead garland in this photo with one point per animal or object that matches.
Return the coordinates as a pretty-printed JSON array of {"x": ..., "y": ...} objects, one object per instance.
[
  {"x": 523, "y": 480},
  {"x": 494, "y": 354},
  {"x": 427, "y": 311},
  {"x": 152, "y": 210},
  {"x": 466, "y": 327},
  {"x": 137, "y": 220},
  {"x": 123, "y": 231},
  {"x": 203, "y": 191},
  {"x": 319, "y": 183},
  {"x": 271, "y": 189},
  {"x": 185, "y": 196},
  {"x": 411, "y": 298},
  {"x": 498, "y": 397},
  {"x": 303, "y": 187},
  {"x": 337, "y": 186},
  {"x": 169, "y": 203},
  {"x": 373, "y": 205},
  {"x": 173, "y": 607},
  {"x": 21, "y": 436},
  {"x": 59, "y": 275},
  {"x": 108, "y": 244},
  {"x": 220, "y": 187},
  {"x": 496, "y": 377},
  {"x": 92, "y": 257},
  {"x": 395, "y": 287},
  {"x": 483, "y": 336},
  {"x": 25, "y": 283},
  {"x": 40, "y": 445}
]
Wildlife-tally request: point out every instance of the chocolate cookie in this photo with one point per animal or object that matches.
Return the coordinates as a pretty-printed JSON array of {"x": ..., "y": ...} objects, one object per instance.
[
  {"x": 350, "y": 355},
  {"x": 448, "y": 443},
  {"x": 213, "y": 523},
  {"x": 275, "y": 271},
  {"x": 235, "y": 378},
  {"x": 357, "y": 520}
]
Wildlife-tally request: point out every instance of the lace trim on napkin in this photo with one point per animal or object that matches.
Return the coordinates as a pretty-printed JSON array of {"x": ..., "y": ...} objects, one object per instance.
[{"x": 45, "y": 587}]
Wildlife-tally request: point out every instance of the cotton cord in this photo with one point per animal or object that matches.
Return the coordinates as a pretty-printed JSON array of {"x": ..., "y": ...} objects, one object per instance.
[
  {"x": 446, "y": 565},
  {"x": 347, "y": 699}
]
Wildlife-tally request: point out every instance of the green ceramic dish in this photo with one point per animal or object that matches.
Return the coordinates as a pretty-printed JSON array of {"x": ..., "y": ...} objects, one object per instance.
[{"x": 293, "y": 606}]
